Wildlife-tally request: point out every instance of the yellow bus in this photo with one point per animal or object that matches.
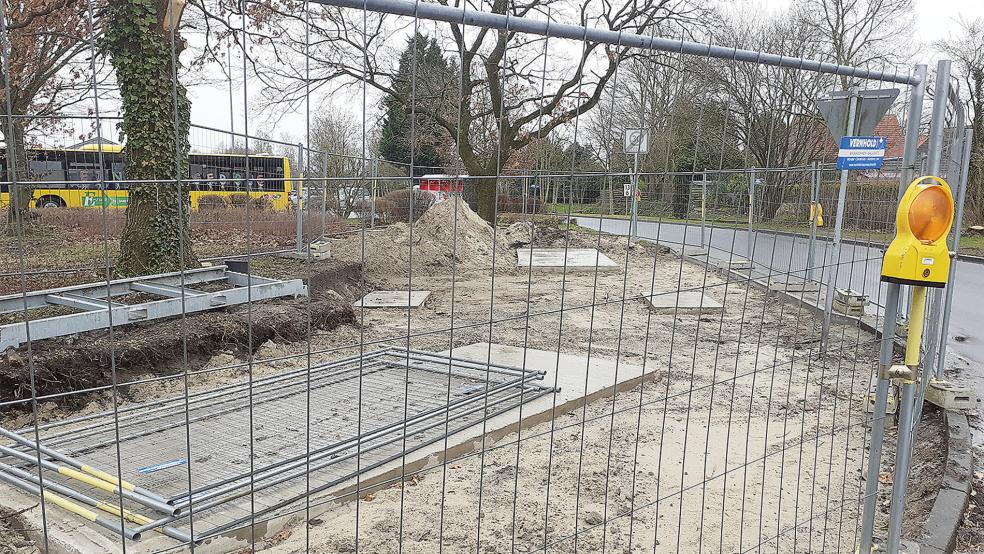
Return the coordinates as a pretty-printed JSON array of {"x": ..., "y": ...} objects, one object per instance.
[{"x": 70, "y": 178}]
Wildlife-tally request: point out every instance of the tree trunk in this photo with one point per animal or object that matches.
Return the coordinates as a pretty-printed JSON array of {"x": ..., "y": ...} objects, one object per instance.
[
  {"x": 486, "y": 198},
  {"x": 156, "y": 120},
  {"x": 21, "y": 195}
]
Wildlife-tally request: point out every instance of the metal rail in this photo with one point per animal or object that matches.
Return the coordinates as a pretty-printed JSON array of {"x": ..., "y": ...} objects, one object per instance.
[
  {"x": 98, "y": 311},
  {"x": 475, "y": 18}
]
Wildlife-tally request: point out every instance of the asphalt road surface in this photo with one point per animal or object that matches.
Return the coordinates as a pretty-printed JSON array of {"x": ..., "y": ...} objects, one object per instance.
[{"x": 860, "y": 265}]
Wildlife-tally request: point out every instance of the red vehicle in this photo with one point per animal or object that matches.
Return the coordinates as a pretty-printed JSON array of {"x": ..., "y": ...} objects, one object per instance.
[{"x": 441, "y": 186}]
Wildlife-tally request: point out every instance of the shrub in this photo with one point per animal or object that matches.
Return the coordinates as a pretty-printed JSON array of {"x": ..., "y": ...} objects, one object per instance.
[
  {"x": 241, "y": 199},
  {"x": 514, "y": 204},
  {"x": 396, "y": 205},
  {"x": 211, "y": 202}
]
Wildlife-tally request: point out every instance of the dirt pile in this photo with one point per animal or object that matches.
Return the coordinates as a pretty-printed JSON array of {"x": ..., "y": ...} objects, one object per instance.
[{"x": 449, "y": 233}]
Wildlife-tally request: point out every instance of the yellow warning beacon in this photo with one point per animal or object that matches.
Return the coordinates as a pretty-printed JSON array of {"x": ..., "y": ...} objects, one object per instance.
[{"x": 918, "y": 254}]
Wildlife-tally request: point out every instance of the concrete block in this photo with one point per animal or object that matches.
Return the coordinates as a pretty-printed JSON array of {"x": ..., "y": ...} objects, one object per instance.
[
  {"x": 850, "y": 297},
  {"x": 950, "y": 396},
  {"x": 560, "y": 258},
  {"x": 393, "y": 299},
  {"x": 848, "y": 309},
  {"x": 683, "y": 301},
  {"x": 891, "y": 406}
]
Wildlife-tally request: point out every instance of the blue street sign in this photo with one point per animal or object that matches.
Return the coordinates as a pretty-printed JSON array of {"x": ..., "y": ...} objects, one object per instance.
[{"x": 861, "y": 152}]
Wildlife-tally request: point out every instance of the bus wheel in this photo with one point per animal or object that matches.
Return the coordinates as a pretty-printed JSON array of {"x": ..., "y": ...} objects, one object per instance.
[{"x": 50, "y": 202}]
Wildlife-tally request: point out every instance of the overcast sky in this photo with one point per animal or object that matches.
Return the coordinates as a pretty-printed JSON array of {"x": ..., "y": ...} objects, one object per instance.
[{"x": 935, "y": 19}]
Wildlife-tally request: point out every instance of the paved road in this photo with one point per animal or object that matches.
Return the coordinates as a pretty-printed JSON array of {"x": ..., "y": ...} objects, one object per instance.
[{"x": 859, "y": 269}]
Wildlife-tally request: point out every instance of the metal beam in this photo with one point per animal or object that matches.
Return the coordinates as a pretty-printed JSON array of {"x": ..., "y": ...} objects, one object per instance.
[
  {"x": 475, "y": 18},
  {"x": 36, "y": 299},
  {"x": 166, "y": 291},
  {"x": 15, "y": 334},
  {"x": 79, "y": 302}
]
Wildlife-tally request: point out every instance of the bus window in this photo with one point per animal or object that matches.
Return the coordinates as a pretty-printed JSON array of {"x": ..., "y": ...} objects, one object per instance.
[{"x": 48, "y": 171}]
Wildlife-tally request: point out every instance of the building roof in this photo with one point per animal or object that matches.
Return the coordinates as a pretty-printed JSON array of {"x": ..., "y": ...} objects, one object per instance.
[{"x": 889, "y": 127}]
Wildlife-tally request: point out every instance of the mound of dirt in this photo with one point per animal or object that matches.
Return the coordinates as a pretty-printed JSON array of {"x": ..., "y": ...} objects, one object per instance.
[{"x": 448, "y": 233}]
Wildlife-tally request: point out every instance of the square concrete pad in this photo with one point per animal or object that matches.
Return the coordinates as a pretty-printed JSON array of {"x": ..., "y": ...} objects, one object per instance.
[
  {"x": 393, "y": 299},
  {"x": 554, "y": 258},
  {"x": 686, "y": 301},
  {"x": 792, "y": 284}
]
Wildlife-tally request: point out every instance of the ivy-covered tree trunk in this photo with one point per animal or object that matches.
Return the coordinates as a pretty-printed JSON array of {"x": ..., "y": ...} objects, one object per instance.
[
  {"x": 21, "y": 195},
  {"x": 156, "y": 110}
]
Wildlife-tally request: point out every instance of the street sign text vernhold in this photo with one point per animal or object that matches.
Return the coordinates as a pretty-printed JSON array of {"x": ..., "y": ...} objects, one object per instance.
[{"x": 861, "y": 152}]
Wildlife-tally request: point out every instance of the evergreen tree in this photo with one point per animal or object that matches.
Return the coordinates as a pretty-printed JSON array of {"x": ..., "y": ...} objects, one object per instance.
[{"x": 417, "y": 138}]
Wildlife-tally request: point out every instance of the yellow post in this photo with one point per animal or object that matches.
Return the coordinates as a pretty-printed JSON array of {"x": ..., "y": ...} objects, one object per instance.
[{"x": 916, "y": 314}]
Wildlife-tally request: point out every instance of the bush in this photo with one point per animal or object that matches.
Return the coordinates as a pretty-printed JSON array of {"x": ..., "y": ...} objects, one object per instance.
[
  {"x": 395, "y": 205},
  {"x": 241, "y": 199},
  {"x": 514, "y": 204},
  {"x": 211, "y": 202}
]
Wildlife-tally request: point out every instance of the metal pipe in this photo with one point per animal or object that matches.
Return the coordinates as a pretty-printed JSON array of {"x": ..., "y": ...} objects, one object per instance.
[
  {"x": 299, "y": 211},
  {"x": 107, "y": 507},
  {"x": 85, "y": 468},
  {"x": 92, "y": 481},
  {"x": 751, "y": 215},
  {"x": 70, "y": 506},
  {"x": 889, "y": 324},
  {"x": 903, "y": 452},
  {"x": 958, "y": 223},
  {"x": 475, "y": 18},
  {"x": 814, "y": 215},
  {"x": 828, "y": 304},
  {"x": 938, "y": 125},
  {"x": 878, "y": 415}
]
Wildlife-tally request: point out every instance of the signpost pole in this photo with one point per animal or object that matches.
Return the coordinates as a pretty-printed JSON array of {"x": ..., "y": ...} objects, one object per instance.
[
  {"x": 814, "y": 214},
  {"x": 299, "y": 216},
  {"x": 636, "y": 143},
  {"x": 751, "y": 212},
  {"x": 634, "y": 231},
  {"x": 828, "y": 304}
]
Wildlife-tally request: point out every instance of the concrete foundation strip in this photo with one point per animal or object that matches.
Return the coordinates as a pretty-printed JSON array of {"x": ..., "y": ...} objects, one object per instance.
[{"x": 940, "y": 529}]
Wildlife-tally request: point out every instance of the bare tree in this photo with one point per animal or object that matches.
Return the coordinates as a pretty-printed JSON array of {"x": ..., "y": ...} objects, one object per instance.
[
  {"x": 967, "y": 51},
  {"x": 773, "y": 110},
  {"x": 511, "y": 90},
  {"x": 862, "y": 33},
  {"x": 42, "y": 38}
]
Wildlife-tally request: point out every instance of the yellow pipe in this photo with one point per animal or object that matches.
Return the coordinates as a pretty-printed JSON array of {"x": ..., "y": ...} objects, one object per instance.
[
  {"x": 108, "y": 478},
  {"x": 70, "y": 506},
  {"x": 87, "y": 479},
  {"x": 916, "y": 313}
]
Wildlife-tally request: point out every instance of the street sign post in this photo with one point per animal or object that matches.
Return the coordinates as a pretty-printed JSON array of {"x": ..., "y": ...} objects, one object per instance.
[{"x": 636, "y": 143}]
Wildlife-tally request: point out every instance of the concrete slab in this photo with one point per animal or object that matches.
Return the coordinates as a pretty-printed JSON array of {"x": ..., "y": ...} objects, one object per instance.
[
  {"x": 792, "y": 284},
  {"x": 684, "y": 301},
  {"x": 567, "y": 372},
  {"x": 578, "y": 379},
  {"x": 695, "y": 251},
  {"x": 393, "y": 299},
  {"x": 736, "y": 263},
  {"x": 554, "y": 258}
]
